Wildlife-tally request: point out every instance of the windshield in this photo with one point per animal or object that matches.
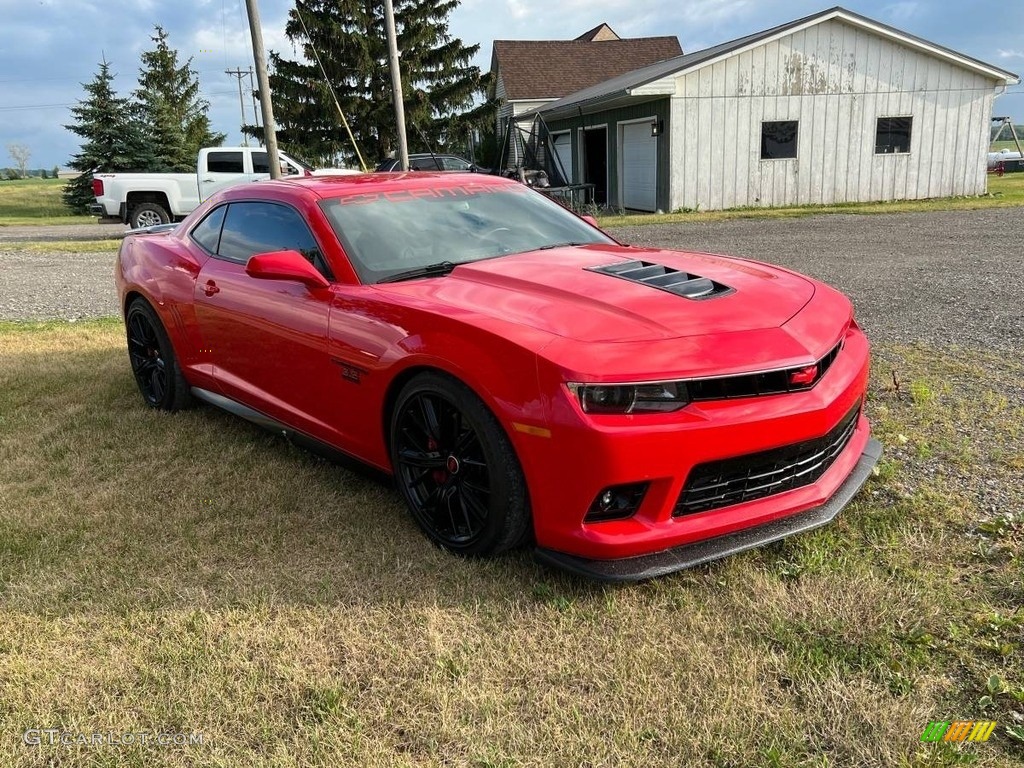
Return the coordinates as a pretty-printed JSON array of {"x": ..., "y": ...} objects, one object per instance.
[{"x": 392, "y": 232}]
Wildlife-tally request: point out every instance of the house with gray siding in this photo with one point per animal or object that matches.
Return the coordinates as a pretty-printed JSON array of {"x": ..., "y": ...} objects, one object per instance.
[{"x": 831, "y": 108}]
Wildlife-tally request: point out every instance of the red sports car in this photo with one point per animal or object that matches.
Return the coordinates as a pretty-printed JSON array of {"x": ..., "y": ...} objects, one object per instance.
[{"x": 522, "y": 375}]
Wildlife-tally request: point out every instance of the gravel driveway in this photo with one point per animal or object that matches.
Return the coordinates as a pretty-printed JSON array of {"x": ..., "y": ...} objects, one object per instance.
[{"x": 941, "y": 278}]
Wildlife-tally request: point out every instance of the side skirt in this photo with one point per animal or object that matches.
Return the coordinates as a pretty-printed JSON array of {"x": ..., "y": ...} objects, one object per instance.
[{"x": 293, "y": 436}]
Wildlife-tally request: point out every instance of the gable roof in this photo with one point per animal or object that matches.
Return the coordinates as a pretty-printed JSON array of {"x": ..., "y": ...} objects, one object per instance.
[
  {"x": 601, "y": 32},
  {"x": 634, "y": 83},
  {"x": 551, "y": 69}
]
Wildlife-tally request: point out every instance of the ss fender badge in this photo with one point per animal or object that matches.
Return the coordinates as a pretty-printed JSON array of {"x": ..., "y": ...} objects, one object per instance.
[{"x": 349, "y": 372}]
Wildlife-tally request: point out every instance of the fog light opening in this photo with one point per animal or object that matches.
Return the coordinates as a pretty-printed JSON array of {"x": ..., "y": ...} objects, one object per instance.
[{"x": 616, "y": 502}]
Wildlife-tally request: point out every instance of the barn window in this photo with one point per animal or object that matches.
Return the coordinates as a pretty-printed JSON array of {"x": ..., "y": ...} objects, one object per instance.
[
  {"x": 778, "y": 139},
  {"x": 893, "y": 135}
]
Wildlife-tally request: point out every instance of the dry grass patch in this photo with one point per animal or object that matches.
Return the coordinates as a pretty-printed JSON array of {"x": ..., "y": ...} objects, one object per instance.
[{"x": 189, "y": 573}]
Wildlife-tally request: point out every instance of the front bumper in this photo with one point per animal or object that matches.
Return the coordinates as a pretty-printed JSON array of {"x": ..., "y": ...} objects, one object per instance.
[{"x": 689, "y": 555}]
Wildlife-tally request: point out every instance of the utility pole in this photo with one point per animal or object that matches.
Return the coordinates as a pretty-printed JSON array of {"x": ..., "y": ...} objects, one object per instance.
[
  {"x": 260, "y": 57},
  {"x": 255, "y": 102},
  {"x": 238, "y": 73},
  {"x": 396, "y": 83}
]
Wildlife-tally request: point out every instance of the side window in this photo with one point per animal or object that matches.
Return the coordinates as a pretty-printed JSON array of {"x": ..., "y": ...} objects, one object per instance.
[
  {"x": 259, "y": 163},
  {"x": 454, "y": 164},
  {"x": 426, "y": 164},
  {"x": 892, "y": 135},
  {"x": 251, "y": 228},
  {"x": 224, "y": 162},
  {"x": 207, "y": 232},
  {"x": 778, "y": 139}
]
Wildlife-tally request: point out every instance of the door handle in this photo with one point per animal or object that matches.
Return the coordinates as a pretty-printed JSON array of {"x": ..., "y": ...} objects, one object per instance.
[
  {"x": 210, "y": 288},
  {"x": 208, "y": 180}
]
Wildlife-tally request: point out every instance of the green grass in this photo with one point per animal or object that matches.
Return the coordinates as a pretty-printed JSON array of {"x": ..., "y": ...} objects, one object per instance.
[
  {"x": 36, "y": 201},
  {"x": 188, "y": 572},
  {"x": 1006, "y": 144},
  {"x": 1007, "y": 191},
  {"x": 63, "y": 246}
]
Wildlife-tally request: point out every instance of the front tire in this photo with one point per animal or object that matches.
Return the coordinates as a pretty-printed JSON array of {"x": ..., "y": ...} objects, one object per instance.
[
  {"x": 153, "y": 361},
  {"x": 148, "y": 215},
  {"x": 456, "y": 469}
]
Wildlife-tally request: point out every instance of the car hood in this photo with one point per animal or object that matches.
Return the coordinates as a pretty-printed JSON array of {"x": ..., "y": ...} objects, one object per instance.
[{"x": 556, "y": 291}]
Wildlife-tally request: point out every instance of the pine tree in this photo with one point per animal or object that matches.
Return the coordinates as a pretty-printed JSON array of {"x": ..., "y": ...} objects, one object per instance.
[
  {"x": 112, "y": 138},
  {"x": 440, "y": 86},
  {"x": 170, "y": 105}
]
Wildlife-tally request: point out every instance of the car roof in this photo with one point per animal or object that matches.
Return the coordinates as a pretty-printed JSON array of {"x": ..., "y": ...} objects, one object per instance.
[{"x": 326, "y": 187}]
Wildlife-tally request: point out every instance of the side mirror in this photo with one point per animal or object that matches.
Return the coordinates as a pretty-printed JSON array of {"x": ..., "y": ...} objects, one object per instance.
[
  {"x": 285, "y": 265},
  {"x": 591, "y": 221}
]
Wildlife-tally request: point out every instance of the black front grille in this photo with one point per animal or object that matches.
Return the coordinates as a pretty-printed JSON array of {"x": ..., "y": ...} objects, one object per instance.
[
  {"x": 758, "y": 384},
  {"x": 717, "y": 484}
]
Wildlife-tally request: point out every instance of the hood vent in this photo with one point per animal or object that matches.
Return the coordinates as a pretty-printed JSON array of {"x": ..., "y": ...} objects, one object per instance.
[{"x": 665, "y": 279}]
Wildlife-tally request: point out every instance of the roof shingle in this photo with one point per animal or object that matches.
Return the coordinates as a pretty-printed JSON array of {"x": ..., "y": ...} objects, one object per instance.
[{"x": 551, "y": 69}]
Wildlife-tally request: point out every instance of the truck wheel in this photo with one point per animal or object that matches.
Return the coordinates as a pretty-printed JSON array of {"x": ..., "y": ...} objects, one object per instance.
[{"x": 148, "y": 215}]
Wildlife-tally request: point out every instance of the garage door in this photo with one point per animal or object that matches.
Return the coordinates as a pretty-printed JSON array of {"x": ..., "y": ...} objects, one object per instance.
[
  {"x": 639, "y": 167},
  {"x": 561, "y": 146}
]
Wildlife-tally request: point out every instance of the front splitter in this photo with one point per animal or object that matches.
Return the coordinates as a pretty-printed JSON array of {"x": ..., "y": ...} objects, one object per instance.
[{"x": 689, "y": 555}]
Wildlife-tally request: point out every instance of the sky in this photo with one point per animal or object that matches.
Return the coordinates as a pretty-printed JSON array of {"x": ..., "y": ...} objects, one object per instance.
[{"x": 49, "y": 47}]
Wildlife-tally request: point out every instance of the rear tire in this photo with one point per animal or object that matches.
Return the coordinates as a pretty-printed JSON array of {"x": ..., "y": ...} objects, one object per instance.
[
  {"x": 154, "y": 364},
  {"x": 148, "y": 215},
  {"x": 456, "y": 468}
]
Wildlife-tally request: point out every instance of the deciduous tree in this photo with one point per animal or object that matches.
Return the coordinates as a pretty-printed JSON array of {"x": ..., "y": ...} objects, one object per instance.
[{"x": 20, "y": 154}]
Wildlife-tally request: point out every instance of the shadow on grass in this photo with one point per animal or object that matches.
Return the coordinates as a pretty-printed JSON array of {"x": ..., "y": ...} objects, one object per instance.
[{"x": 115, "y": 506}]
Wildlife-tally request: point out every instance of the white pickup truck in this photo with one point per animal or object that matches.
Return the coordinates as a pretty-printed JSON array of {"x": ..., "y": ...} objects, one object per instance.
[{"x": 146, "y": 199}]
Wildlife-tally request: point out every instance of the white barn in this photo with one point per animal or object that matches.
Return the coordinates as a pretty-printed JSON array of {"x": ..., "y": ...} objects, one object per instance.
[{"x": 831, "y": 108}]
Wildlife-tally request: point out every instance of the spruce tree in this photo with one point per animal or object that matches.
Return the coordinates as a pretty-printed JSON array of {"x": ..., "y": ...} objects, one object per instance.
[
  {"x": 441, "y": 88},
  {"x": 112, "y": 138},
  {"x": 170, "y": 105}
]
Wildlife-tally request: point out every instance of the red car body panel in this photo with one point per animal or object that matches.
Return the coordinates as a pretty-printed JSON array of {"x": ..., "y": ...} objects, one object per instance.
[{"x": 517, "y": 330}]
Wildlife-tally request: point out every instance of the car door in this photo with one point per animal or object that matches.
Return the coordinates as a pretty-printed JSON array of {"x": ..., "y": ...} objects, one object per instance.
[
  {"x": 224, "y": 168},
  {"x": 267, "y": 339}
]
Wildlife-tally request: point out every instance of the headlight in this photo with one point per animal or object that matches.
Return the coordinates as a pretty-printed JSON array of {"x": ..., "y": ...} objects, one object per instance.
[{"x": 652, "y": 397}]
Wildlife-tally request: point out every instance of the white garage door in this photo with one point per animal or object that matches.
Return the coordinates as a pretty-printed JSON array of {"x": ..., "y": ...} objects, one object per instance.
[
  {"x": 639, "y": 167},
  {"x": 561, "y": 147}
]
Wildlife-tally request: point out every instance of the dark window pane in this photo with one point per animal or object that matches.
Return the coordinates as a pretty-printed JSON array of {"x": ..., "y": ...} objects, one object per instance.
[
  {"x": 252, "y": 228},
  {"x": 455, "y": 164},
  {"x": 426, "y": 164},
  {"x": 259, "y": 163},
  {"x": 778, "y": 140},
  {"x": 224, "y": 162},
  {"x": 207, "y": 232},
  {"x": 893, "y": 135}
]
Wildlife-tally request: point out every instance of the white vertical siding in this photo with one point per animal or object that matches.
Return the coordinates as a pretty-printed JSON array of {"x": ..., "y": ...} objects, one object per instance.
[{"x": 836, "y": 80}]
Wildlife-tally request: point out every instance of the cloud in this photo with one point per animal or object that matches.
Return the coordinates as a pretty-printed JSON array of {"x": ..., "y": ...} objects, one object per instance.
[
  {"x": 899, "y": 13},
  {"x": 1003, "y": 54}
]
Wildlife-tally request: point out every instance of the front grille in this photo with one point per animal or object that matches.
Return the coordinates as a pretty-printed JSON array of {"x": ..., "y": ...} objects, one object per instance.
[
  {"x": 758, "y": 384},
  {"x": 717, "y": 484}
]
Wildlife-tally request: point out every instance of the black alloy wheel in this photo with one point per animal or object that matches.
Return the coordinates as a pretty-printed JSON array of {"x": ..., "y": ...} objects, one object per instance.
[
  {"x": 152, "y": 358},
  {"x": 456, "y": 468}
]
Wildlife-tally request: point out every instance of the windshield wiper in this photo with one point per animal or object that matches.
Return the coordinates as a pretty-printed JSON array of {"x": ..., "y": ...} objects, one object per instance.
[
  {"x": 560, "y": 245},
  {"x": 439, "y": 269}
]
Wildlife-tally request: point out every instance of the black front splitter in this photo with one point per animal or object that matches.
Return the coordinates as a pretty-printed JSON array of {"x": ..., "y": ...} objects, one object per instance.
[{"x": 689, "y": 555}]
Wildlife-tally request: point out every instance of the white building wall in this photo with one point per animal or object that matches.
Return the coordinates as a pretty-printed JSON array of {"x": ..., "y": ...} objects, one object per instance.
[{"x": 836, "y": 80}]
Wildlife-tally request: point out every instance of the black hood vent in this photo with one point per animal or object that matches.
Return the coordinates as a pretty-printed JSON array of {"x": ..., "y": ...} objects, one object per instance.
[{"x": 665, "y": 279}]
